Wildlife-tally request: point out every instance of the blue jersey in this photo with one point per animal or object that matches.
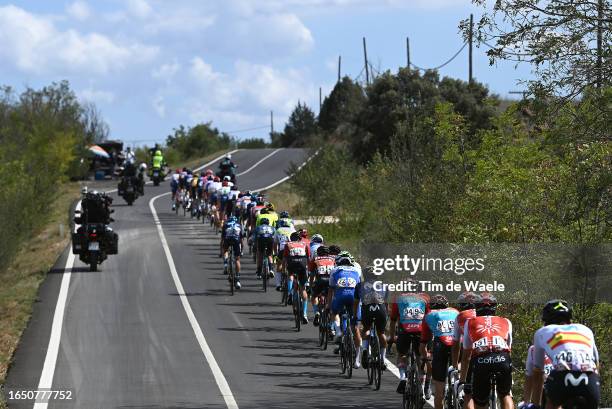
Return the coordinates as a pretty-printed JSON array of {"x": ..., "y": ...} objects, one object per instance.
[
  {"x": 264, "y": 230},
  {"x": 440, "y": 324},
  {"x": 344, "y": 279},
  {"x": 232, "y": 231}
]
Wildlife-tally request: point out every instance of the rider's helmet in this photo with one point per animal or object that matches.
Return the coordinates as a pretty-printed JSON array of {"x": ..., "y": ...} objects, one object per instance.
[
  {"x": 334, "y": 250},
  {"x": 346, "y": 254},
  {"x": 295, "y": 236},
  {"x": 466, "y": 300},
  {"x": 247, "y": 193},
  {"x": 304, "y": 233},
  {"x": 209, "y": 172},
  {"x": 189, "y": 172},
  {"x": 84, "y": 190},
  {"x": 142, "y": 167},
  {"x": 196, "y": 174},
  {"x": 270, "y": 207},
  {"x": 322, "y": 251},
  {"x": 157, "y": 153},
  {"x": 264, "y": 211},
  {"x": 265, "y": 221},
  {"x": 282, "y": 223},
  {"x": 343, "y": 260},
  {"x": 317, "y": 238},
  {"x": 232, "y": 219},
  {"x": 557, "y": 312},
  {"x": 438, "y": 302},
  {"x": 284, "y": 214},
  {"x": 227, "y": 178},
  {"x": 260, "y": 201},
  {"x": 216, "y": 179},
  {"x": 228, "y": 156},
  {"x": 486, "y": 304}
]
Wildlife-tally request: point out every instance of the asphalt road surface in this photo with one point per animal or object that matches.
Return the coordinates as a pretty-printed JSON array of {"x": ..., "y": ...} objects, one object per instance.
[{"x": 130, "y": 339}]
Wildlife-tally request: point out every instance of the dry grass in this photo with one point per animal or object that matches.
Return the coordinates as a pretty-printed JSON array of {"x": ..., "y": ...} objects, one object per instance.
[
  {"x": 194, "y": 163},
  {"x": 20, "y": 281},
  {"x": 285, "y": 198}
]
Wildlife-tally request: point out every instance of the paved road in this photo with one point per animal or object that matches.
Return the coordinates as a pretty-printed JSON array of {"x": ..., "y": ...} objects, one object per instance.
[{"x": 127, "y": 342}]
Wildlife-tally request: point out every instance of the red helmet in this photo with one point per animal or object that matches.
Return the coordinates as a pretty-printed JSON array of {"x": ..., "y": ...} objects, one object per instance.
[
  {"x": 216, "y": 179},
  {"x": 178, "y": 170}
]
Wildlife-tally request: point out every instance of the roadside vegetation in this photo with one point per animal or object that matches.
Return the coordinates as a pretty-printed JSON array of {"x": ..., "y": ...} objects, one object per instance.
[{"x": 413, "y": 157}]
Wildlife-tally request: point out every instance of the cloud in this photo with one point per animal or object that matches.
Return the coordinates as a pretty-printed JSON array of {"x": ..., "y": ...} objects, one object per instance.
[
  {"x": 159, "y": 106},
  {"x": 139, "y": 8},
  {"x": 79, "y": 10},
  {"x": 166, "y": 72},
  {"x": 34, "y": 44},
  {"x": 98, "y": 96}
]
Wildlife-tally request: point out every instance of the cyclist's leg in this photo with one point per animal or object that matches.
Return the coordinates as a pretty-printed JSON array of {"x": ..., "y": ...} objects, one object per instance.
[
  {"x": 381, "y": 325},
  {"x": 302, "y": 279},
  {"x": 403, "y": 345},
  {"x": 259, "y": 257},
  {"x": 440, "y": 363}
]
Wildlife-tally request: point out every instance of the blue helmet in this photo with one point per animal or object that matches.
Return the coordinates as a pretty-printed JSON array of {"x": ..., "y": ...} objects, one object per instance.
[{"x": 232, "y": 219}]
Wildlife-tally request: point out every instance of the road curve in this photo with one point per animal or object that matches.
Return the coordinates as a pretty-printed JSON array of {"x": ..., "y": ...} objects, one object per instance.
[{"x": 127, "y": 342}]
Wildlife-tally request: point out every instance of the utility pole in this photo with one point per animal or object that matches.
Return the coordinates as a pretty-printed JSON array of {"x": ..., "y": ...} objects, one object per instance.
[
  {"x": 471, "y": 40},
  {"x": 408, "y": 50},
  {"x": 599, "y": 41},
  {"x": 339, "y": 66},
  {"x": 320, "y": 100},
  {"x": 271, "y": 123},
  {"x": 365, "y": 57}
]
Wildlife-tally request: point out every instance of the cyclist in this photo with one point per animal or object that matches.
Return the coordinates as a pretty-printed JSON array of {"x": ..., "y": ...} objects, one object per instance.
[
  {"x": 373, "y": 307},
  {"x": 295, "y": 259},
  {"x": 466, "y": 304},
  {"x": 281, "y": 238},
  {"x": 264, "y": 239},
  {"x": 408, "y": 310},
  {"x": 269, "y": 213},
  {"x": 322, "y": 265},
  {"x": 528, "y": 395},
  {"x": 487, "y": 340},
  {"x": 438, "y": 327},
  {"x": 174, "y": 185},
  {"x": 342, "y": 283},
  {"x": 334, "y": 250},
  {"x": 315, "y": 242},
  {"x": 232, "y": 236},
  {"x": 284, "y": 215},
  {"x": 574, "y": 377}
]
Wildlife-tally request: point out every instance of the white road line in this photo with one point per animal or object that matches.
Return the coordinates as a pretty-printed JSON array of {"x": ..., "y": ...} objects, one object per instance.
[
  {"x": 46, "y": 377},
  {"x": 261, "y": 160},
  {"x": 288, "y": 176},
  {"x": 226, "y": 392}
]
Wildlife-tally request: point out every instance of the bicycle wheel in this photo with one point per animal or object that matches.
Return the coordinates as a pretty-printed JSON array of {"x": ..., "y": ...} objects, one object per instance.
[
  {"x": 350, "y": 351},
  {"x": 231, "y": 271},
  {"x": 370, "y": 366},
  {"x": 342, "y": 353},
  {"x": 298, "y": 314},
  {"x": 265, "y": 272},
  {"x": 296, "y": 308},
  {"x": 375, "y": 357},
  {"x": 325, "y": 318}
]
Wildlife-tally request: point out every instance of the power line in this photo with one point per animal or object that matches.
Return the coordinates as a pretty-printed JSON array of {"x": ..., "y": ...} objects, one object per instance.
[
  {"x": 249, "y": 129},
  {"x": 443, "y": 64}
]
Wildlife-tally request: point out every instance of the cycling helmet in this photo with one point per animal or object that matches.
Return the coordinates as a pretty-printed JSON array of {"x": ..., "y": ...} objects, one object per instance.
[
  {"x": 284, "y": 214},
  {"x": 343, "y": 260},
  {"x": 438, "y": 302},
  {"x": 317, "y": 238},
  {"x": 216, "y": 179},
  {"x": 557, "y": 312},
  {"x": 282, "y": 223},
  {"x": 322, "y": 251},
  {"x": 270, "y": 207},
  {"x": 209, "y": 172},
  {"x": 228, "y": 156},
  {"x": 84, "y": 190},
  {"x": 264, "y": 211},
  {"x": 227, "y": 178},
  {"x": 304, "y": 233},
  {"x": 347, "y": 254},
  {"x": 486, "y": 304},
  {"x": 184, "y": 169},
  {"x": 334, "y": 250},
  {"x": 466, "y": 300},
  {"x": 178, "y": 170},
  {"x": 265, "y": 221},
  {"x": 295, "y": 236},
  {"x": 232, "y": 219},
  {"x": 157, "y": 153}
]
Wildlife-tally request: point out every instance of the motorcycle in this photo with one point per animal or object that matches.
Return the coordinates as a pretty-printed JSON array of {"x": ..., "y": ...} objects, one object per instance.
[
  {"x": 156, "y": 176},
  {"x": 128, "y": 191},
  {"x": 93, "y": 243}
]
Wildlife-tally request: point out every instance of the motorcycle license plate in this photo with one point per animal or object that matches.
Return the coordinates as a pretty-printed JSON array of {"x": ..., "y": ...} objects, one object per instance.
[
  {"x": 94, "y": 246},
  {"x": 130, "y": 190},
  {"x": 156, "y": 174}
]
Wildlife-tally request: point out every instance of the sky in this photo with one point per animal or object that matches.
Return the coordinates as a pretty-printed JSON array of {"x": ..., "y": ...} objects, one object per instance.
[{"x": 152, "y": 65}]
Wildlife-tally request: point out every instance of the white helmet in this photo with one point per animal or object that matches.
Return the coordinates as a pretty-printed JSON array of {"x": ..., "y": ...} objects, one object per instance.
[
  {"x": 142, "y": 167},
  {"x": 227, "y": 178},
  {"x": 228, "y": 156},
  {"x": 84, "y": 190}
]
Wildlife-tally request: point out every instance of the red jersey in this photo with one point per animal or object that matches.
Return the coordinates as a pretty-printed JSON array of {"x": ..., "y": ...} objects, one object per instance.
[
  {"x": 487, "y": 334},
  {"x": 296, "y": 249},
  {"x": 322, "y": 265},
  {"x": 460, "y": 322}
]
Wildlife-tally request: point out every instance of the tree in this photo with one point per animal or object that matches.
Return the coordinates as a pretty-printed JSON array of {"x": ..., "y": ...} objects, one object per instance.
[
  {"x": 300, "y": 128},
  {"x": 566, "y": 41},
  {"x": 342, "y": 105}
]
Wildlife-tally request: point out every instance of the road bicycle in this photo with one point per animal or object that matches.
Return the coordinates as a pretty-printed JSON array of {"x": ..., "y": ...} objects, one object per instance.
[
  {"x": 374, "y": 362},
  {"x": 347, "y": 345},
  {"x": 298, "y": 305},
  {"x": 413, "y": 393},
  {"x": 231, "y": 269},
  {"x": 324, "y": 323},
  {"x": 453, "y": 396},
  {"x": 284, "y": 291}
]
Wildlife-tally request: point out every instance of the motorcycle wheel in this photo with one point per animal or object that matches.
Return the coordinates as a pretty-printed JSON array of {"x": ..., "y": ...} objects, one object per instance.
[{"x": 93, "y": 261}]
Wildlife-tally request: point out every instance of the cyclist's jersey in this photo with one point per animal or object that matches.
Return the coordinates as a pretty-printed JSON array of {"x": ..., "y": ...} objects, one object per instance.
[
  {"x": 264, "y": 231},
  {"x": 208, "y": 186},
  {"x": 571, "y": 347},
  {"x": 367, "y": 294},
  {"x": 313, "y": 249},
  {"x": 282, "y": 236},
  {"x": 244, "y": 202},
  {"x": 487, "y": 334},
  {"x": 410, "y": 309},
  {"x": 233, "y": 195},
  {"x": 188, "y": 179},
  {"x": 530, "y": 362},
  {"x": 223, "y": 193},
  {"x": 232, "y": 231},
  {"x": 272, "y": 217},
  {"x": 296, "y": 250},
  {"x": 255, "y": 211},
  {"x": 440, "y": 324},
  {"x": 344, "y": 279},
  {"x": 175, "y": 177},
  {"x": 460, "y": 322},
  {"x": 323, "y": 265}
]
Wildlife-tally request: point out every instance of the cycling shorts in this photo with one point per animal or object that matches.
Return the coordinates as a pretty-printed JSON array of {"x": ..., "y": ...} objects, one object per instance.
[
  {"x": 343, "y": 300},
  {"x": 265, "y": 243},
  {"x": 320, "y": 286},
  {"x": 297, "y": 267},
  {"x": 233, "y": 242},
  {"x": 498, "y": 363},
  {"x": 372, "y": 312},
  {"x": 407, "y": 339},
  {"x": 562, "y": 386},
  {"x": 441, "y": 356},
  {"x": 212, "y": 199}
]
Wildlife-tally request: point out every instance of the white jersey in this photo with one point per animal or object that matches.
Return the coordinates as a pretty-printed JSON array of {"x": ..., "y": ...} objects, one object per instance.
[
  {"x": 571, "y": 347},
  {"x": 224, "y": 190},
  {"x": 175, "y": 177},
  {"x": 233, "y": 195},
  {"x": 530, "y": 362}
]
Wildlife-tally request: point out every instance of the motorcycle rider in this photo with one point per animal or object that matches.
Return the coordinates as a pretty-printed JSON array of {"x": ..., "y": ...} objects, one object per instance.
[
  {"x": 142, "y": 168},
  {"x": 227, "y": 167},
  {"x": 158, "y": 160}
]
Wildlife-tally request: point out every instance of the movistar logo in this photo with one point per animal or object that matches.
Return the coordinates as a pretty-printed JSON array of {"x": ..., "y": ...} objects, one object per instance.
[{"x": 570, "y": 378}]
